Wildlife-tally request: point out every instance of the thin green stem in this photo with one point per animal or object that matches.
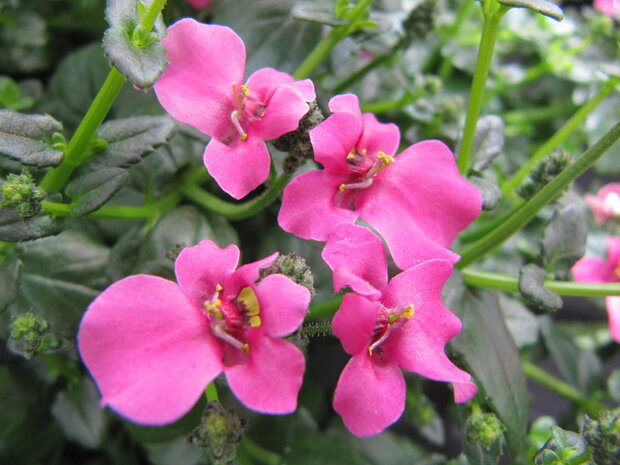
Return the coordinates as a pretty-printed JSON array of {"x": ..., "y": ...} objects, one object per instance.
[
  {"x": 531, "y": 208},
  {"x": 532, "y": 371},
  {"x": 325, "y": 309},
  {"x": 509, "y": 283},
  {"x": 483, "y": 65},
  {"x": 211, "y": 392},
  {"x": 316, "y": 329},
  {"x": 327, "y": 44},
  {"x": 234, "y": 211},
  {"x": 560, "y": 136},
  {"x": 153, "y": 12}
]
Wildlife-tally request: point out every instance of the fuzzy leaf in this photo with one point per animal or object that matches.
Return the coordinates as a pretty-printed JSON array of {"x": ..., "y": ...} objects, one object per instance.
[
  {"x": 492, "y": 357},
  {"x": 488, "y": 140},
  {"x": 26, "y": 138},
  {"x": 531, "y": 286},
  {"x": 92, "y": 190},
  {"x": 521, "y": 322},
  {"x": 543, "y": 7},
  {"x": 14, "y": 228},
  {"x": 491, "y": 193},
  {"x": 9, "y": 279},
  {"x": 564, "y": 238},
  {"x": 140, "y": 63},
  {"x": 130, "y": 139}
]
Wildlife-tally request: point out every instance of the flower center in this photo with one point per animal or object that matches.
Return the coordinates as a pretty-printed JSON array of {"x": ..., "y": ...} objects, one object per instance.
[
  {"x": 364, "y": 168},
  {"x": 230, "y": 318},
  {"x": 611, "y": 204},
  {"x": 246, "y": 110},
  {"x": 388, "y": 319}
]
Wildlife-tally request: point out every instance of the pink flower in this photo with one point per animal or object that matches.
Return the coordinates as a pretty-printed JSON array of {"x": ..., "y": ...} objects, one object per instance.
[
  {"x": 596, "y": 270},
  {"x": 153, "y": 345},
  {"x": 606, "y": 204},
  {"x": 198, "y": 4},
  {"x": 608, "y": 7},
  {"x": 203, "y": 87},
  {"x": 417, "y": 200},
  {"x": 387, "y": 326}
]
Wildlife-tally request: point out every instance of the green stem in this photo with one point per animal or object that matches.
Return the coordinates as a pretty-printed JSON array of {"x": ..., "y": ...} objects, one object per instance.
[
  {"x": 592, "y": 407},
  {"x": 531, "y": 208},
  {"x": 325, "y": 309},
  {"x": 483, "y": 65},
  {"x": 234, "y": 211},
  {"x": 509, "y": 283},
  {"x": 327, "y": 44},
  {"x": 259, "y": 453},
  {"x": 316, "y": 329},
  {"x": 211, "y": 392},
  {"x": 77, "y": 149},
  {"x": 560, "y": 136}
]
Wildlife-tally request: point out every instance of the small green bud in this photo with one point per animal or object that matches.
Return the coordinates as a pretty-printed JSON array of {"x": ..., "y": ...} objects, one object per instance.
[
  {"x": 220, "y": 431},
  {"x": 545, "y": 171},
  {"x": 420, "y": 21},
  {"x": 562, "y": 447},
  {"x": 292, "y": 266},
  {"x": 484, "y": 428},
  {"x": 30, "y": 335},
  {"x": 603, "y": 437},
  {"x": 20, "y": 192},
  {"x": 59, "y": 142}
]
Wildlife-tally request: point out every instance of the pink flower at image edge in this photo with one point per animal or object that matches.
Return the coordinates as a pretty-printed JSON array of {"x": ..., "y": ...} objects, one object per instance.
[
  {"x": 597, "y": 270},
  {"x": 203, "y": 87},
  {"x": 608, "y": 7},
  {"x": 153, "y": 345},
  {"x": 386, "y": 326},
  {"x": 198, "y": 4},
  {"x": 605, "y": 205}
]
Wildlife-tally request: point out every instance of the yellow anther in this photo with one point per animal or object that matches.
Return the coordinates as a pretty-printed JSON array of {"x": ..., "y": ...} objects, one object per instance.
[
  {"x": 386, "y": 159},
  {"x": 249, "y": 300},
  {"x": 364, "y": 152},
  {"x": 245, "y": 90},
  {"x": 351, "y": 156},
  {"x": 408, "y": 312},
  {"x": 255, "y": 321},
  {"x": 243, "y": 136},
  {"x": 214, "y": 308},
  {"x": 218, "y": 288},
  {"x": 342, "y": 187},
  {"x": 245, "y": 348}
]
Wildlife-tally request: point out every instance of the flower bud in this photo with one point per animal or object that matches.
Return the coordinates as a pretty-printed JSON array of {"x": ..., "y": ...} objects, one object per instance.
[
  {"x": 20, "y": 192},
  {"x": 484, "y": 428},
  {"x": 560, "y": 448},
  {"x": 545, "y": 171},
  {"x": 30, "y": 335},
  {"x": 603, "y": 437},
  {"x": 292, "y": 266}
]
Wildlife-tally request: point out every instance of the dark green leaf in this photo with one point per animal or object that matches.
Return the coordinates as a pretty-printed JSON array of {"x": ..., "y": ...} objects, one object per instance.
[
  {"x": 521, "y": 322},
  {"x": 613, "y": 384},
  {"x": 320, "y": 449},
  {"x": 131, "y": 139},
  {"x": 9, "y": 278},
  {"x": 322, "y": 13},
  {"x": 492, "y": 357},
  {"x": 491, "y": 193},
  {"x": 23, "y": 40},
  {"x": 92, "y": 190},
  {"x": 176, "y": 451},
  {"x": 79, "y": 415},
  {"x": 271, "y": 35},
  {"x": 488, "y": 140},
  {"x": 544, "y": 7},
  {"x": 26, "y": 138},
  {"x": 140, "y": 61},
  {"x": 11, "y": 95},
  {"x": 531, "y": 286},
  {"x": 483, "y": 439},
  {"x": 14, "y": 228},
  {"x": 564, "y": 238}
]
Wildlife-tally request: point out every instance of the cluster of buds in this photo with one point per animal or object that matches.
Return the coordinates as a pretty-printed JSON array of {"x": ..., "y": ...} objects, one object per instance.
[{"x": 20, "y": 192}]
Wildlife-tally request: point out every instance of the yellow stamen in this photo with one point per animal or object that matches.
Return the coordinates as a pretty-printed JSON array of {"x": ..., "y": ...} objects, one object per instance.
[
  {"x": 385, "y": 159},
  {"x": 213, "y": 308},
  {"x": 408, "y": 312},
  {"x": 245, "y": 348},
  {"x": 342, "y": 187},
  {"x": 351, "y": 156},
  {"x": 218, "y": 288},
  {"x": 243, "y": 136},
  {"x": 245, "y": 90}
]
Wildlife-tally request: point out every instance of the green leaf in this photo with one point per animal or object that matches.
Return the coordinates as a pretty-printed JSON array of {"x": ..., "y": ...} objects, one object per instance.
[
  {"x": 27, "y": 138},
  {"x": 488, "y": 140},
  {"x": 613, "y": 385},
  {"x": 11, "y": 95},
  {"x": 135, "y": 52},
  {"x": 14, "y": 228},
  {"x": 9, "y": 279},
  {"x": 564, "y": 238},
  {"x": 23, "y": 40},
  {"x": 531, "y": 286},
  {"x": 492, "y": 358},
  {"x": 79, "y": 415},
  {"x": 271, "y": 35},
  {"x": 491, "y": 193},
  {"x": 521, "y": 322},
  {"x": 130, "y": 139},
  {"x": 544, "y": 7},
  {"x": 92, "y": 190}
]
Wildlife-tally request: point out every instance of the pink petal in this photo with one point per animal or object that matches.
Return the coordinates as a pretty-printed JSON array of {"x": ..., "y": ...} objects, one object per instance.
[
  {"x": 149, "y": 349},
  {"x": 265, "y": 81},
  {"x": 345, "y": 102},
  {"x": 334, "y": 138},
  {"x": 607, "y": 7},
  {"x": 284, "y": 110},
  {"x": 196, "y": 87},
  {"x": 238, "y": 168},
  {"x": 379, "y": 137},
  {"x": 592, "y": 270},
  {"x": 613, "y": 311},
  {"x": 308, "y": 209},
  {"x": 357, "y": 258},
  {"x": 425, "y": 187},
  {"x": 419, "y": 344},
  {"x": 199, "y": 269},
  {"x": 354, "y": 322},
  {"x": 283, "y": 304},
  {"x": 247, "y": 275},
  {"x": 198, "y": 4},
  {"x": 369, "y": 396},
  {"x": 613, "y": 255},
  {"x": 271, "y": 378}
]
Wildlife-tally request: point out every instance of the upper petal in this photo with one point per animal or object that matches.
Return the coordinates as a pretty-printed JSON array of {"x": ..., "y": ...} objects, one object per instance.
[
  {"x": 308, "y": 209},
  {"x": 283, "y": 112},
  {"x": 238, "y": 168},
  {"x": 378, "y": 137},
  {"x": 283, "y": 304},
  {"x": 149, "y": 349},
  {"x": 357, "y": 258},
  {"x": 334, "y": 138},
  {"x": 419, "y": 344},
  {"x": 345, "y": 102},
  {"x": 613, "y": 255},
  {"x": 369, "y": 396},
  {"x": 196, "y": 87},
  {"x": 424, "y": 187},
  {"x": 354, "y": 322},
  {"x": 271, "y": 378},
  {"x": 247, "y": 275},
  {"x": 592, "y": 270},
  {"x": 199, "y": 269},
  {"x": 264, "y": 82}
]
